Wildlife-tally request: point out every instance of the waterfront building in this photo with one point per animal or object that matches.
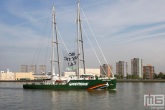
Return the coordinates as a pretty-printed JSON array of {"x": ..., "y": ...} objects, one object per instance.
[
  {"x": 7, "y": 75},
  {"x": 24, "y": 75},
  {"x": 68, "y": 74},
  {"x": 148, "y": 71},
  {"x": 122, "y": 68},
  {"x": 16, "y": 76},
  {"x": 106, "y": 70},
  {"x": 42, "y": 69},
  {"x": 136, "y": 67},
  {"x": 33, "y": 69},
  {"x": 92, "y": 71},
  {"x": 24, "y": 68}
]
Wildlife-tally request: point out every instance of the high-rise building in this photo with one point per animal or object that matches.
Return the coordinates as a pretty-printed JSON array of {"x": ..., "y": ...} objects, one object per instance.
[
  {"x": 33, "y": 69},
  {"x": 42, "y": 69},
  {"x": 122, "y": 68},
  {"x": 136, "y": 67},
  {"x": 24, "y": 68},
  {"x": 148, "y": 71},
  {"x": 106, "y": 70}
]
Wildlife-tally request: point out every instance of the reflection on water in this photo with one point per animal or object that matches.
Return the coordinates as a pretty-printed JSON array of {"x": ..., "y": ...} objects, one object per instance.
[
  {"x": 127, "y": 96},
  {"x": 80, "y": 99}
]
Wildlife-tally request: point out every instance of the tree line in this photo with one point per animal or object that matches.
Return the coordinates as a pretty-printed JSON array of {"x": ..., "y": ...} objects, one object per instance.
[{"x": 161, "y": 75}]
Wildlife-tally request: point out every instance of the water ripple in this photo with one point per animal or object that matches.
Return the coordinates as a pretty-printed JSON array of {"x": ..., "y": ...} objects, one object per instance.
[{"x": 128, "y": 96}]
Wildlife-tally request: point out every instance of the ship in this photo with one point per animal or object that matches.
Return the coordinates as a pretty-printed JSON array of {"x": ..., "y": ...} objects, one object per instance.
[{"x": 78, "y": 82}]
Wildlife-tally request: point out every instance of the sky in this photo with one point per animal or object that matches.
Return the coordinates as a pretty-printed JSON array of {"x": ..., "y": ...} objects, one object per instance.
[{"x": 124, "y": 29}]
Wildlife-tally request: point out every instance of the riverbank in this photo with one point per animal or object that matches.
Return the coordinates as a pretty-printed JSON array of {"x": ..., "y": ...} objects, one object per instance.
[
  {"x": 140, "y": 80},
  {"x": 118, "y": 80},
  {"x": 21, "y": 80}
]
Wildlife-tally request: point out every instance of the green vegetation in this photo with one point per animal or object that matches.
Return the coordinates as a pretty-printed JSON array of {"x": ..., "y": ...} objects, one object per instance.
[
  {"x": 24, "y": 79},
  {"x": 132, "y": 76},
  {"x": 119, "y": 76},
  {"x": 127, "y": 77},
  {"x": 161, "y": 75}
]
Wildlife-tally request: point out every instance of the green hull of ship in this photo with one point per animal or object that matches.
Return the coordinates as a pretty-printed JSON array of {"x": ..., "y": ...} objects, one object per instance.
[{"x": 76, "y": 84}]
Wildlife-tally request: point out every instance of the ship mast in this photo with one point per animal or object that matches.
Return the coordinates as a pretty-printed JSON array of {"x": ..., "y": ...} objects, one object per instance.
[
  {"x": 79, "y": 40},
  {"x": 58, "y": 57},
  {"x": 52, "y": 60},
  {"x": 54, "y": 30}
]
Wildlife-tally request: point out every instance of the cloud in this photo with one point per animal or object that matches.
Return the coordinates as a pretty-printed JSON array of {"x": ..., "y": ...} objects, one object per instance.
[
  {"x": 116, "y": 16},
  {"x": 19, "y": 44},
  {"x": 128, "y": 29},
  {"x": 124, "y": 28}
]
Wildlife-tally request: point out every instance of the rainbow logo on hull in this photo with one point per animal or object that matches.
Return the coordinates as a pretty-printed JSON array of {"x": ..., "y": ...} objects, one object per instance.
[{"x": 100, "y": 86}]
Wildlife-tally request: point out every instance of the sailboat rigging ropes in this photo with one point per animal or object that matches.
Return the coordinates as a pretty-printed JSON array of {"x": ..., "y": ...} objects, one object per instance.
[
  {"x": 97, "y": 41},
  {"x": 62, "y": 40},
  {"x": 40, "y": 44},
  {"x": 93, "y": 48}
]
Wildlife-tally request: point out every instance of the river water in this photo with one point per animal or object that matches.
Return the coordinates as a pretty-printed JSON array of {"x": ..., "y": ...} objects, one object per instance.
[{"x": 128, "y": 96}]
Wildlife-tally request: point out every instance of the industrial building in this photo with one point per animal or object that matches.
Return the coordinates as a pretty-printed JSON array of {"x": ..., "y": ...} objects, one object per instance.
[
  {"x": 92, "y": 71},
  {"x": 25, "y": 74},
  {"x": 24, "y": 68},
  {"x": 42, "y": 69},
  {"x": 33, "y": 69},
  {"x": 16, "y": 76}
]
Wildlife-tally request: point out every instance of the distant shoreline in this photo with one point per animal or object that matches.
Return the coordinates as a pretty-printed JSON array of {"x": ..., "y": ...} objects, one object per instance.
[
  {"x": 20, "y": 80},
  {"x": 118, "y": 80},
  {"x": 140, "y": 80}
]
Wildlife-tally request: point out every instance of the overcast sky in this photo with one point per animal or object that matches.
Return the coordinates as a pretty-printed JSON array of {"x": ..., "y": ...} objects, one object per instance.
[{"x": 125, "y": 29}]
